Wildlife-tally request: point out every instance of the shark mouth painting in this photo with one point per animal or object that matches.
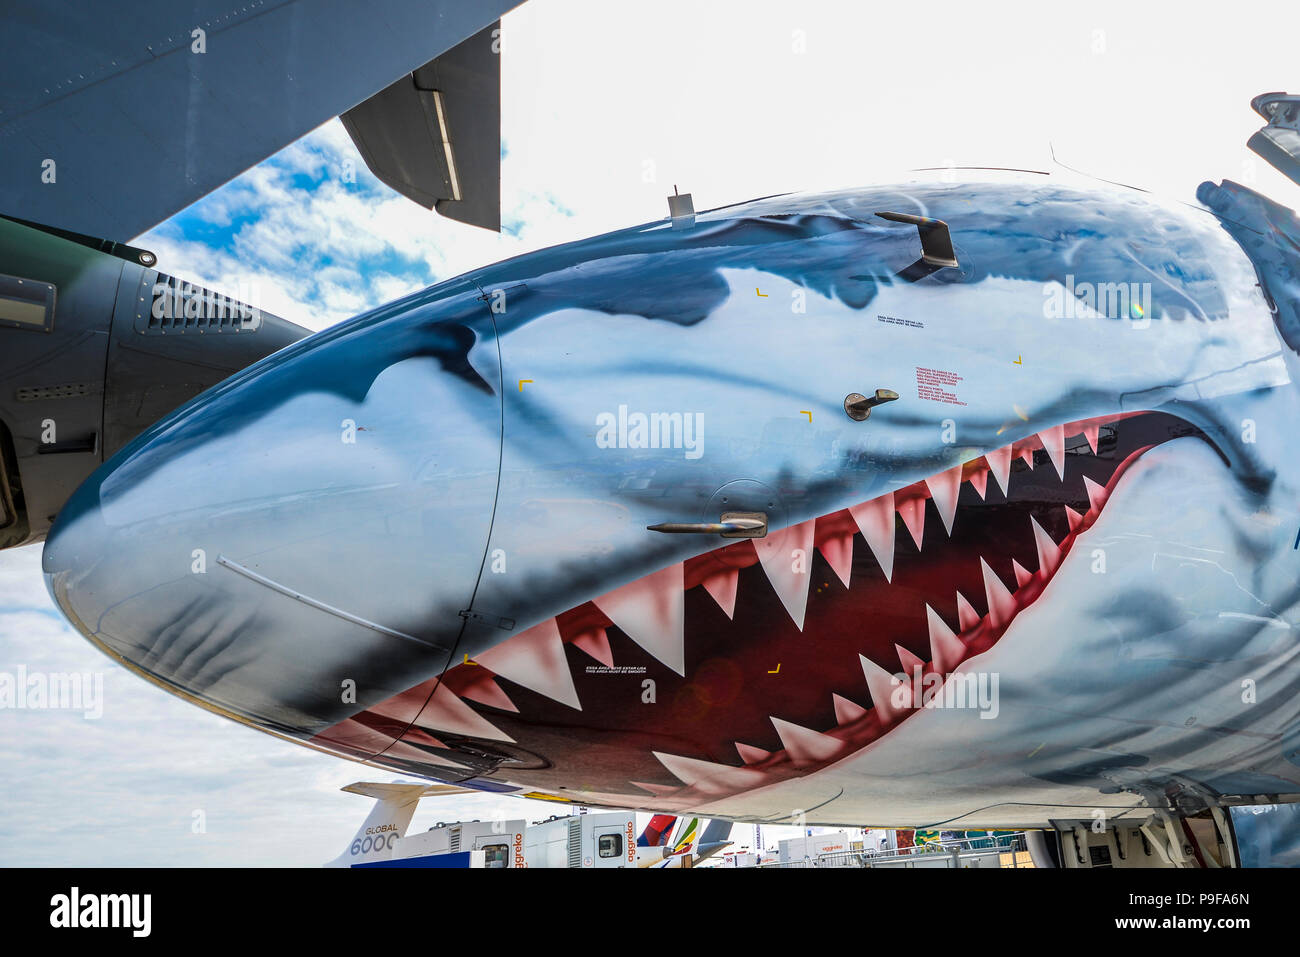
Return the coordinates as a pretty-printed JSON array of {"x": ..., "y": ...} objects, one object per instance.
[{"x": 766, "y": 659}]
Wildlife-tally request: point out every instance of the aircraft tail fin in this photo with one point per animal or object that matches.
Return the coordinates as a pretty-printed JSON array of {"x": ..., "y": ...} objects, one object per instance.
[
  {"x": 386, "y": 825},
  {"x": 692, "y": 843},
  {"x": 716, "y": 836},
  {"x": 657, "y": 831},
  {"x": 688, "y": 832}
]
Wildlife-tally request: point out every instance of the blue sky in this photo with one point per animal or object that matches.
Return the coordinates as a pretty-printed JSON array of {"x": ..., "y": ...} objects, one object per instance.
[
  {"x": 315, "y": 237},
  {"x": 604, "y": 111}
]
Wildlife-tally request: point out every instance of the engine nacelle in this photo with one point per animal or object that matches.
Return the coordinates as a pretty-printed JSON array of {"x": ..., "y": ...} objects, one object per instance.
[{"x": 95, "y": 346}]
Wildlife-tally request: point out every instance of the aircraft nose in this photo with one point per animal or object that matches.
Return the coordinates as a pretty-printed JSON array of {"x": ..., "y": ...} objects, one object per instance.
[{"x": 283, "y": 542}]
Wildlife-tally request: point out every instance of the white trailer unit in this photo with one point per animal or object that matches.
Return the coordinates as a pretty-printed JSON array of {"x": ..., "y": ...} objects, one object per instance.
[
  {"x": 797, "y": 850},
  {"x": 583, "y": 840},
  {"x": 502, "y": 842},
  {"x": 739, "y": 859}
]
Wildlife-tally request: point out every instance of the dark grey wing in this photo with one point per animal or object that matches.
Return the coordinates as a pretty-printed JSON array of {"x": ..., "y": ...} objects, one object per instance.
[
  {"x": 435, "y": 134},
  {"x": 115, "y": 116}
]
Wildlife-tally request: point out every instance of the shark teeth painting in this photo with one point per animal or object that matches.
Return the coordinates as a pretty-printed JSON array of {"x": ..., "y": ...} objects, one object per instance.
[
  {"x": 1045, "y": 576},
  {"x": 883, "y": 651}
]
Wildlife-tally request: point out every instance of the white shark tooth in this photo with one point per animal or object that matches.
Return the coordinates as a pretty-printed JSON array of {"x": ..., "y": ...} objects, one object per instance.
[
  {"x": 1049, "y": 553},
  {"x": 652, "y": 612},
  {"x": 418, "y": 736},
  {"x": 486, "y": 691},
  {"x": 1090, "y": 433},
  {"x": 1074, "y": 517},
  {"x": 1002, "y": 604},
  {"x": 444, "y": 711},
  {"x": 1053, "y": 440},
  {"x": 750, "y": 754},
  {"x": 909, "y": 661},
  {"x": 846, "y": 711},
  {"x": 595, "y": 643},
  {"x": 535, "y": 659},
  {"x": 710, "y": 778},
  {"x": 355, "y": 736},
  {"x": 1096, "y": 494},
  {"x": 838, "y": 552},
  {"x": 979, "y": 481},
  {"x": 1000, "y": 465},
  {"x": 1023, "y": 575},
  {"x": 946, "y": 649},
  {"x": 967, "y": 616},
  {"x": 882, "y": 685},
  {"x": 658, "y": 790},
  {"x": 913, "y": 513},
  {"x": 722, "y": 586},
  {"x": 404, "y": 707},
  {"x": 1026, "y": 455},
  {"x": 944, "y": 490},
  {"x": 776, "y": 553},
  {"x": 876, "y": 522},
  {"x": 804, "y": 745}
]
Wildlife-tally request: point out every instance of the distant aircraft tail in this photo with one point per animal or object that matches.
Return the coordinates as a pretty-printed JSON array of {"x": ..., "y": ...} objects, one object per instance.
[
  {"x": 691, "y": 844},
  {"x": 687, "y": 834},
  {"x": 388, "y": 820},
  {"x": 716, "y": 836},
  {"x": 657, "y": 831}
]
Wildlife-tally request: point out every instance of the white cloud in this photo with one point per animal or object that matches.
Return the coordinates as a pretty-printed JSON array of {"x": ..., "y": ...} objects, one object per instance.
[
  {"x": 322, "y": 254},
  {"x": 124, "y": 789}
]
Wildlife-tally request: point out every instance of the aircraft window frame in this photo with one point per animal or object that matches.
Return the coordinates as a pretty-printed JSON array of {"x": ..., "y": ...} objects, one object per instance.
[{"x": 27, "y": 303}]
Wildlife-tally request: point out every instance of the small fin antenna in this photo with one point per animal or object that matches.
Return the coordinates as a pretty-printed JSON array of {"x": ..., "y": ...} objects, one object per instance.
[{"x": 936, "y": 245}]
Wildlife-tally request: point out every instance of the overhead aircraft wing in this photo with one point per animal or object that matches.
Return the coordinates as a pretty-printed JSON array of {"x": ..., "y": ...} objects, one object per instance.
[
  {"x": 154, "y": 104},
  {"x": 435, "y": 134}
]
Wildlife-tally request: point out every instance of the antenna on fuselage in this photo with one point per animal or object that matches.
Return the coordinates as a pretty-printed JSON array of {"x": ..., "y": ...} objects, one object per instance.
[
  {"x": 682, "y": 209},
  {"x": 936, "y": 245}
]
